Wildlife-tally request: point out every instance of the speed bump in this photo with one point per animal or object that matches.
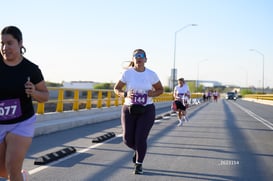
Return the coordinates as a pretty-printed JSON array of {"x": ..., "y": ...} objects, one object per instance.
[
  {"x": 50, "y": 157},
  {"x": 159, "y": 117},
  {"x": 103, "y": 137}
]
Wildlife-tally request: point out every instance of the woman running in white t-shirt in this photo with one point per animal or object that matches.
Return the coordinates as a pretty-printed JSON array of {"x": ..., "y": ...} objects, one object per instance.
[{"x": 138, "y": 85}]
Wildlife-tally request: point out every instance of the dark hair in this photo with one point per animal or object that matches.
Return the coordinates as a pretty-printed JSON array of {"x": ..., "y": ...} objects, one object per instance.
[
  {"x": 132, "y": 64},
  {"x": 16, "y": 33},
  {"x": 181, "y": 79}
]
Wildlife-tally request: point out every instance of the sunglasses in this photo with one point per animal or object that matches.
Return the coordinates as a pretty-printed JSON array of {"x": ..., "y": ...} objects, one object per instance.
[{"x": 139, "y": 55}]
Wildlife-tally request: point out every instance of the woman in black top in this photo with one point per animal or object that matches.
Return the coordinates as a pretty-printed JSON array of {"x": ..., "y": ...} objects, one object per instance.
[{"x": 20, "y": 82}]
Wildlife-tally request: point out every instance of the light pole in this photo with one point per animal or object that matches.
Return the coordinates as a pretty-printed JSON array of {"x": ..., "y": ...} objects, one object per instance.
[
  {"x": 197, "y": 80},
  {"x": 174, "y": 53},
  {"x": 254, "y": 50}
]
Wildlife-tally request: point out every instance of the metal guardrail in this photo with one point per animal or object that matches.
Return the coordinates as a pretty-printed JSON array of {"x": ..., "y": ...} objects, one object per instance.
[
  {"x": 268, "y": 97},
  {"x": 62, "y": 99}
]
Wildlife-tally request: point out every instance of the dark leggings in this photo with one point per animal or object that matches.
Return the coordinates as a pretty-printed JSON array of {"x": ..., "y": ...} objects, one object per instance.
[
  {"x": 136, "y": 129},
  {"x": 180, "y": 106}
]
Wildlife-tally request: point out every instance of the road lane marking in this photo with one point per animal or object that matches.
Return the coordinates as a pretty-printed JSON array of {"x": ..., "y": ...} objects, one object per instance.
[
  {"x": 255, "y": 116},
  {"x": 40, "y": 168}
]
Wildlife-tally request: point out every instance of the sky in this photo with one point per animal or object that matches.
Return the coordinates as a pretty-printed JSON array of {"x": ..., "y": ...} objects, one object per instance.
[{"x": 92, "y": 40}]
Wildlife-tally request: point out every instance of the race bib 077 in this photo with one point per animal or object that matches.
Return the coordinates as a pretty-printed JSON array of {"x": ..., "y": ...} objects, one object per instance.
[{"x": 10, "y": 109}]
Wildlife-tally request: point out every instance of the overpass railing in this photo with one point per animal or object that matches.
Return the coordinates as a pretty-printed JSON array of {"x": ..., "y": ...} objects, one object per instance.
[{"x": 64, "y": 99}]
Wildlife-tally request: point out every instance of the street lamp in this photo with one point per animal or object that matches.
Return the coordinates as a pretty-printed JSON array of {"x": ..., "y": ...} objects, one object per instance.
[
  {"x": 254, "y": 50},
  {"x": 174, "y": 55},
  {"x": 197, "y": 80}
]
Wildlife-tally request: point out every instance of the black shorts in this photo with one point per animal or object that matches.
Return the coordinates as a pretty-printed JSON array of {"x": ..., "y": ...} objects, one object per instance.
[{"x": 180, "y": 106}]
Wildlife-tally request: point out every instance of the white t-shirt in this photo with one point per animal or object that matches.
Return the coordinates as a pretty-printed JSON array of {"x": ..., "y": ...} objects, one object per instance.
[
  {"x": 182, "y": 90},
  {"x": 140, "y": 82}
]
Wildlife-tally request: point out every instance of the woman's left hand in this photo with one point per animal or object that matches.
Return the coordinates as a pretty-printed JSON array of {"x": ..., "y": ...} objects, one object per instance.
[{"x": 150, "y": 93}]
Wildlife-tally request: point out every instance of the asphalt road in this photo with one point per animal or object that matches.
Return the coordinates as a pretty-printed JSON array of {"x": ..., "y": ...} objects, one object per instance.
[{"x": 224, "y": 140}]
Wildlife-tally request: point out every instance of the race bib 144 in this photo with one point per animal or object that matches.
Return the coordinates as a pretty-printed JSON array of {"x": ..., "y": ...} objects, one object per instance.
[{"x": 140, "y": 98}]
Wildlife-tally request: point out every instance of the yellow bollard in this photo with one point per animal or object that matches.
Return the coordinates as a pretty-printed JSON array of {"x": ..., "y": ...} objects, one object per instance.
[
  {"x": 99, "y": 104},
  {"x": 41, "y": 108},
  {"x": 108, "y": 103},
  {"x": 89, "y": 100},
  {"x": 60, "y": 105}
]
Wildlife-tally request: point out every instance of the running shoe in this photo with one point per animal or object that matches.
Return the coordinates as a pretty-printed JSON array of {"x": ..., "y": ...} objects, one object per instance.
[
  {"x": 138, "y": 169},
  {"x": 25, "y": 175},
  {"x": 180, "y": 122},
  {"x": 185, "y": 118}
]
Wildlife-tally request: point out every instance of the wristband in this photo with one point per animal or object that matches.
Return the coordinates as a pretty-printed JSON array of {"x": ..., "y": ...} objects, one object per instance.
[{"x": 125, "y": 94}]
